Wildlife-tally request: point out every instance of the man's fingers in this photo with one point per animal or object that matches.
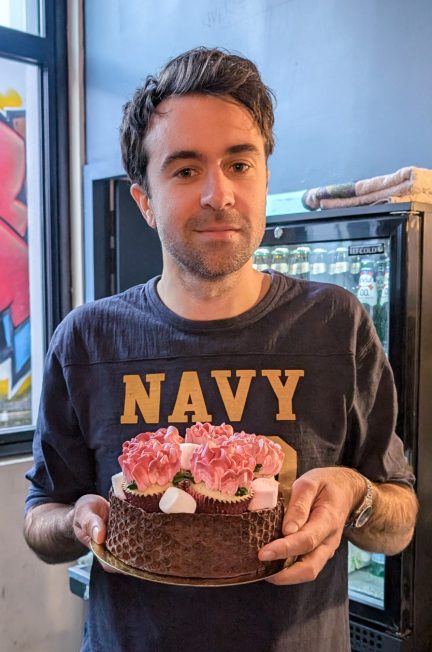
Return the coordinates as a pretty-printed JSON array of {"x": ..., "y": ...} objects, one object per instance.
[
  {"x": 296, "y": 544},
  {"x": 319, "y": 529},
  {"x": 306, "y": 569},
  {"x": 90, "y": 518},
  {"x": 98, "y": 530},
  {"x": 312, "y": 527},
  {"x": 303, "y": 495},
  {"x": 92, "y": 529}
]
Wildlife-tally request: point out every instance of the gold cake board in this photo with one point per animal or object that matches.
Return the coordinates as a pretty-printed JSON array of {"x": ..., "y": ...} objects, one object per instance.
[{"x": 106, "y": 558}]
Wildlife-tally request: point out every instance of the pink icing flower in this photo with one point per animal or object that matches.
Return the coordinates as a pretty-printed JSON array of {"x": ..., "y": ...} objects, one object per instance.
[
  {"x": 267, "y": 453},
  {"x": 200, "y": 433},
  {"x": 150, "y": 462},
  {"x": 163, "y": 435},
  {"x": 223, "y": 467}
]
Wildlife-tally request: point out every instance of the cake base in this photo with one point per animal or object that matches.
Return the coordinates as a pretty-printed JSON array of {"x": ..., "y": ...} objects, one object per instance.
[
  {"x": 107, "y": 559},
  {"x": 192, "y": 545}
]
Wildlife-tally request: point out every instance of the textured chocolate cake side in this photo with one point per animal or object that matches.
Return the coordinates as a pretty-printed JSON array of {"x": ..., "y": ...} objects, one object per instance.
[{"x": 191, "y": 545}]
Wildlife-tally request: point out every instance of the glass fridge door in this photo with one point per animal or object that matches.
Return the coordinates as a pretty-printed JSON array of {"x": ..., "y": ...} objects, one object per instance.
[{"x": 363, "y": 268}]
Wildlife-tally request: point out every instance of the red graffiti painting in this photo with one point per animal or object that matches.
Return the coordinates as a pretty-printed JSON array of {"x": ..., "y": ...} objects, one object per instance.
[{"x": 14, "y": 273}]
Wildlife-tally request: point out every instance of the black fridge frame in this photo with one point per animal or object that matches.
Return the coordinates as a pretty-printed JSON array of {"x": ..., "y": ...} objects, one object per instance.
[{"x": 399, "y": 226}]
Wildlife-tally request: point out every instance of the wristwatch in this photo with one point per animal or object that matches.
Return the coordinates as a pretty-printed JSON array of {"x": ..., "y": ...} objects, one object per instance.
[{"x": 363, "y": 512}]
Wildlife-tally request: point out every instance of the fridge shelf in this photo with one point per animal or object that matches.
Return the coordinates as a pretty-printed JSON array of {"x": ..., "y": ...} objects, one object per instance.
[{"x": 366, "y": 588}]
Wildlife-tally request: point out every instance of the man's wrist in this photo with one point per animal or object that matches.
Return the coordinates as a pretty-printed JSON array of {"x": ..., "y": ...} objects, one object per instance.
[
  {"x": 49, "y": 532},
  {"x": 355, "y": 482},
  {"x": 363, "y": 502}
]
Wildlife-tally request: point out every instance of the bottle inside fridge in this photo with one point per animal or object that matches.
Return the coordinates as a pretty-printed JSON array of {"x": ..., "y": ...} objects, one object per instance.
[{"x": 362, "y": 268}]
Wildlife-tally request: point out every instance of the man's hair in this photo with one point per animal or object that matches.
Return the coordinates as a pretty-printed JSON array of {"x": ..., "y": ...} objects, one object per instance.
[{"x": 201, "y": 70}]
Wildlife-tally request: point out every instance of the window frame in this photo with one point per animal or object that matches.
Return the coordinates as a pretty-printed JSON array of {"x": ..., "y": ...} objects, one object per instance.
[{"x": 49, "y": 53}]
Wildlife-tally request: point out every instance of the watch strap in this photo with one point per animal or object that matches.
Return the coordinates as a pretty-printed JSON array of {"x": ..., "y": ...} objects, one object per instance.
[{"x": 362, "y": 513}]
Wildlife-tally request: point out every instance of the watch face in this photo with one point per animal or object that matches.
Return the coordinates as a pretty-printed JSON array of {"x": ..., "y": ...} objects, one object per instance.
[{"x": 363, "y": 517}]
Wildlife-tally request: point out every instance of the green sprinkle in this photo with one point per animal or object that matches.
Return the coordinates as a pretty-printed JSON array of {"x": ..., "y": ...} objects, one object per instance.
[
  {"x": 257, "y": 468},
  {"x": 182, "y": 475},
  {"x": 241, "y": 491},
  {"x": 132, "y": 485}
]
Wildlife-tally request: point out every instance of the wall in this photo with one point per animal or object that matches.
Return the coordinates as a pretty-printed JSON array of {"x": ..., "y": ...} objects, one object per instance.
[
  {"x": 352, "y": 79},
  {"x": 37, "y": 611}
]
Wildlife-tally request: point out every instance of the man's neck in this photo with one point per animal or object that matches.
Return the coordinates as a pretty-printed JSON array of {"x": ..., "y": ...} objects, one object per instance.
[{"x": 206, "y": 300}]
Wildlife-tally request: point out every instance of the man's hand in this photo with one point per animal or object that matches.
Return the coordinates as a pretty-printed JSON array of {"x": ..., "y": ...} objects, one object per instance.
[
  {"x": 320, "y": 503},
  {"x": 58, "y": 533},
  {"x": 90, "y": 522},
  {"x": 90, "y": 517}
]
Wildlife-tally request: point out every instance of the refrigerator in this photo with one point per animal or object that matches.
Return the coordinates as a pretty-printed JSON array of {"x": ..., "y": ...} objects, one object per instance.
[{"x": 383, "y": 255}]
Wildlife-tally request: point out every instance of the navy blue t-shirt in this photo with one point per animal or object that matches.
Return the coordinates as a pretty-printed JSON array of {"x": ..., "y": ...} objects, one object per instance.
[{"x": 304, "y": 364}]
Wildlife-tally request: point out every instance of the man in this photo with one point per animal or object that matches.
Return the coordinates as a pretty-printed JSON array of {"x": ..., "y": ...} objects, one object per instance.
[{"x": 195, "y": 144}]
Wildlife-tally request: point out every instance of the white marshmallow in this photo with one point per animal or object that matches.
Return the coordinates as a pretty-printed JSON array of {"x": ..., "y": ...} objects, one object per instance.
[
  {"x": 187, "y": 450},
  {"x": 177, "y": 501},
  {"x": 117, "y": 481},
  {"x": 265, "y": 494}
]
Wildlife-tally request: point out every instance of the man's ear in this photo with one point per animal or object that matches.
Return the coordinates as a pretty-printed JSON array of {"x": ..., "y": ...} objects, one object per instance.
[{"x": 143, "y": 202}]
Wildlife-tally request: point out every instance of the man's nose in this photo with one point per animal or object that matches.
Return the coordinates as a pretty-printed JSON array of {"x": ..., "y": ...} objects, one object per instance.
[{"x": 217, "y": 191}]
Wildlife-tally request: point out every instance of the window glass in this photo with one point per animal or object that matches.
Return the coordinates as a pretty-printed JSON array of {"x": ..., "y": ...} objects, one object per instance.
[
  {"x": 21, "y": 315},
  {"x": 23, "y": 15}
]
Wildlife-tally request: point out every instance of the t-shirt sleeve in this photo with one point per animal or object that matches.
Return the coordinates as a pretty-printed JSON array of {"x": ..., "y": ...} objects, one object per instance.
[
  {"x": 63, "y": 468},
  {"x": 373, "y": 447}
]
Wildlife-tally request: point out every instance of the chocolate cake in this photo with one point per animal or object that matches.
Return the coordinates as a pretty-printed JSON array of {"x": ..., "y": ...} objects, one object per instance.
[
  {"x": 200, "y": 508},
  {"x": 192, "y": 545}
]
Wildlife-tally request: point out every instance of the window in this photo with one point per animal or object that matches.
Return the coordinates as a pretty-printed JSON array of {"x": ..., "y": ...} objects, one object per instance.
[
  {"x": 23, "y": 15},
  {"x": 34, "y": 277}
]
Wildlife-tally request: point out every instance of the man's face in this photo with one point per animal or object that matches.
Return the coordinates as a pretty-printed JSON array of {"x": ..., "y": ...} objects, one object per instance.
[{"x": 207, "y": 176}]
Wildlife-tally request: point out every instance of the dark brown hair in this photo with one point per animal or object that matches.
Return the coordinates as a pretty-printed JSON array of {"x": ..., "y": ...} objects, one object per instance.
[{"x": 201, "y": 70}]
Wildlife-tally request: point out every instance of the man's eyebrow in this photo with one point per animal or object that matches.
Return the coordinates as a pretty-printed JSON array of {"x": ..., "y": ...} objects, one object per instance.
[
  {"x": 183, "y": 154},
  {"x": 180, "y": 155},
  {"x": 243, "y": 147}
]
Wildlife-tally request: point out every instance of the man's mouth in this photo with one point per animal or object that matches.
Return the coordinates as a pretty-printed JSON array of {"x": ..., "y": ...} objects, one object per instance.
[
  {"x": 217, "y": 227},
  {"x": 218, "y": 231}
]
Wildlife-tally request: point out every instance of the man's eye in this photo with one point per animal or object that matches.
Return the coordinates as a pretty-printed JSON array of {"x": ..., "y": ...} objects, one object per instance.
[
  {"x": 185, "y": 173},
  {"x": 240, "y": 167}
]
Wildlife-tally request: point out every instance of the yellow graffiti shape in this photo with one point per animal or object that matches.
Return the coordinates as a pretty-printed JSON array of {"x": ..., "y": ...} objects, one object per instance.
[{"x": 11, "y": 99}]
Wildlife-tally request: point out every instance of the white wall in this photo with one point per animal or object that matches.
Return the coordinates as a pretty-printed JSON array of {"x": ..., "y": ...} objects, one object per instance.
[
  {"x": 37, "y": 611},
  {"x": 352, "y": 79}
]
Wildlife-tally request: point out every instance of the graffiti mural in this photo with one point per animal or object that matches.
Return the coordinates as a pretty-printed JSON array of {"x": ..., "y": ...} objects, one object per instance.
[{"x": 15, "y": 376}]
